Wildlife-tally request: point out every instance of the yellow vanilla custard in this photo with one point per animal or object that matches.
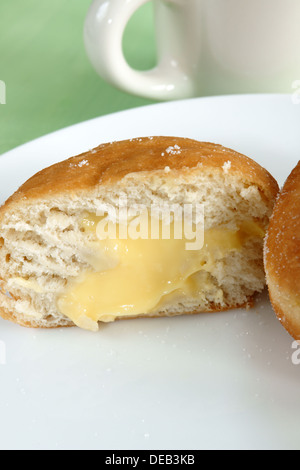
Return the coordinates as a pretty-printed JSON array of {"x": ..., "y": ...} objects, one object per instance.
[{"x": 144, "y": 272}]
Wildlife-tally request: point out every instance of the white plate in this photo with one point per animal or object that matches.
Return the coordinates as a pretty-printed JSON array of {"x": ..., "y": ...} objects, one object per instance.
[{"x": 223, "y": 381}]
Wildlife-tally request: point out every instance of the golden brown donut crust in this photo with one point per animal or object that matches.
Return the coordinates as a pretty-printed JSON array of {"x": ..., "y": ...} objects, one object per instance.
[
  {"x": 282, "y": 255},
  {"x": 110, "y": 162}
]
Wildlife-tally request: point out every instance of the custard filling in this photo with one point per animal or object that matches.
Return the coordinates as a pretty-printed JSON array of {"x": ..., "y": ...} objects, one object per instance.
[{"x": 134, "y": 276}]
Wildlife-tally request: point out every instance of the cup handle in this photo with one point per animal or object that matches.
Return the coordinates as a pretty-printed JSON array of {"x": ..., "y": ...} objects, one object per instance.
[{"x": 103, "y": 33}]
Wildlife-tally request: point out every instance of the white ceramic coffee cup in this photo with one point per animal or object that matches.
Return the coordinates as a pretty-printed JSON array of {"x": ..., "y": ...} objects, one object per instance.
[{"x": 205, "y": 47}]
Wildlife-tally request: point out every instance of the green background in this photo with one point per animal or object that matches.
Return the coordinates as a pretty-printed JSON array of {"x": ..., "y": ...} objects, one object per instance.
[{"x": 50, "y": 82}]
